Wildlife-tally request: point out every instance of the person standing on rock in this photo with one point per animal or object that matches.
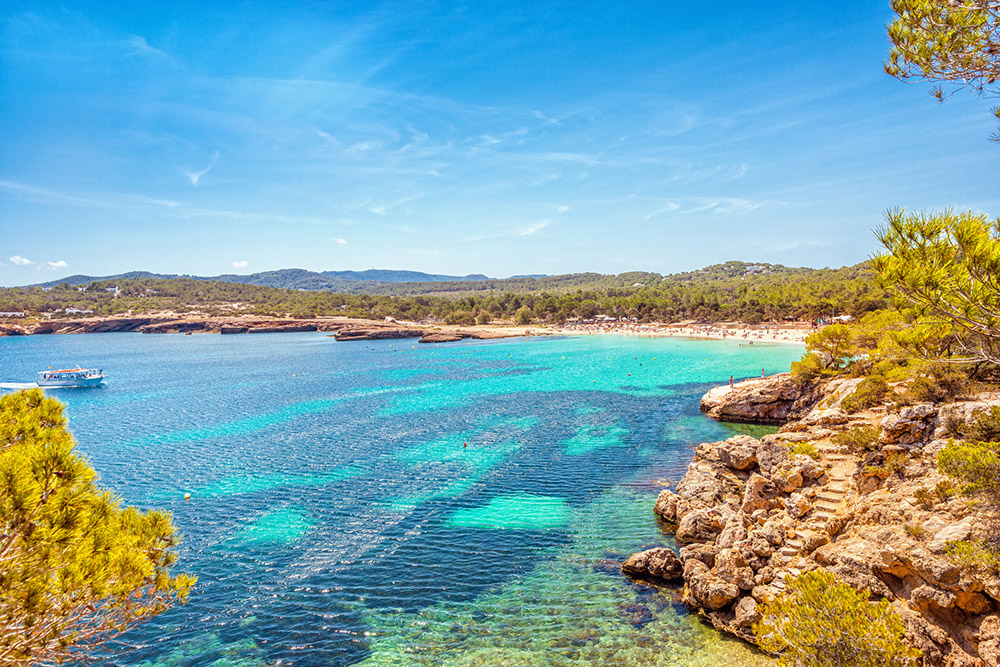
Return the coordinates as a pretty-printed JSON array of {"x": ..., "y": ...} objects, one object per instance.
[
  {"x": 730, "y": 381},
  {"x": 762, "y": 374}
]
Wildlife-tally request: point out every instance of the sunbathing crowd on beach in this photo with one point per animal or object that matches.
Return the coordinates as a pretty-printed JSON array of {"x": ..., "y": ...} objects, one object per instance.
[{"x": 764, "y": 333}]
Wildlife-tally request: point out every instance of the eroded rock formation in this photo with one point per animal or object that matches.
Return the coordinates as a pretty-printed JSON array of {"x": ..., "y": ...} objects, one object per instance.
[
  {"x": 772, "y": 400},
  {"x": 750, "y": 512}
]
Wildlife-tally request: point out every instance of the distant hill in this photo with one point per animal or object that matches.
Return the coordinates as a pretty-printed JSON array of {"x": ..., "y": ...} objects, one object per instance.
[
  {"x": 384, "y": 282},
  {"x": 388, "y": 276},
  {"x": 733, "y": 291},
  {"x": 289, "y": 278}
]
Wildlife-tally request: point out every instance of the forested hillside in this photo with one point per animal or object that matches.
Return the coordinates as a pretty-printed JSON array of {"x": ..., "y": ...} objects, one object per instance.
[{"x": 731, "y": 291}]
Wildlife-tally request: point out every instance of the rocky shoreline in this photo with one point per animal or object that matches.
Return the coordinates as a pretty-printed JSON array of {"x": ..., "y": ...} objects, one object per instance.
[
  {"x": 750, "y": 512},
  {"x": 342, "y": 329}
]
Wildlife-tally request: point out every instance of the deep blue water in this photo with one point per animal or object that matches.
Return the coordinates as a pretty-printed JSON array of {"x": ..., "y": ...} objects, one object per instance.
[{"x": 390, "y": 503}]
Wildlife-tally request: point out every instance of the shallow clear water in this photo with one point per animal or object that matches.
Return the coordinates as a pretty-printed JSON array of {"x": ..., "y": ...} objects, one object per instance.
[{"x": 390, "y": 503}]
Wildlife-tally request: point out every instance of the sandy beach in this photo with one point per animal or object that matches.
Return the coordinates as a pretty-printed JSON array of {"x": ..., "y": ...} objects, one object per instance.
[{"x": 791, "y": 333}]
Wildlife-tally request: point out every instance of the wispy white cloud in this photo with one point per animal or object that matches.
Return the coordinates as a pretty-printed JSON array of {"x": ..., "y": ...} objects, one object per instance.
[
  {"x": 669, "y": 207},
  {"x": 57, "y": 265},
  {"x": 240, "y": 263},
  {"x": 533, "y": 229},
  {"x": 17, "y": 260},
  {"x": 387, "y": 208},
  {"x": 562, "y": 209},
  {"x": 195, "y": 176},
  {"x": 138, "y": 46},
  {"x": 339, "y": 241},
  {"x": 363, "y": 147}
]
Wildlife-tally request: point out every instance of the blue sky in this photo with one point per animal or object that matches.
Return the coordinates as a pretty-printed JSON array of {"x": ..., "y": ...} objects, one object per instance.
[{"x": 497, "y": 138}]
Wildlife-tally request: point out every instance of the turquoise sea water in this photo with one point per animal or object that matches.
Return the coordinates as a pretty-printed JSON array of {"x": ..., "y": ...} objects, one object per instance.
[{"x": 390, "y": 503}]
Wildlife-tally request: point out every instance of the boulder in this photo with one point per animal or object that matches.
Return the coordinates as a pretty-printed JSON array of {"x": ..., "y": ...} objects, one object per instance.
[
  {"x": 773, "y": 400},
  {"x": 731, "y": 566},
  {"x": 912, "y": 424},
  {"x": 773, "y": 532},
  {"x": 770, "y": 454},
  {"x": 989, "y": 640},
  {"x": 746, "y": 612},
  {"x": 701, "y": 485},
  {"x": 954, "y": 532},
  {"x": 787, "y": 477},
  {"x": 739, "y": 453},
  {"x": 702, "y": 525},
  {"x": 809, "y": 468},
  {"x": 760, "y": 545},
  {"x": 441, "y": 337},
  {"x": 826, "y": 418},
  {"x": 700, "y": 552},
  {"x": 707, "y": 590},
  {"x": 836, "y": 391},
  {"x": 764, "y": 593},
  {"x": 666, "y": 506},
  {"x": 755, "y": 496},
  {"x": 734, "y": 532},
  {"x": 797, "y": 505},
  {"x": 660, "y": 563}
]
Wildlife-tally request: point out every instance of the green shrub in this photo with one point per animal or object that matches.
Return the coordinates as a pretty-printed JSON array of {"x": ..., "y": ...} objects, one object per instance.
[
  {"x": 975, "y": 465},
  {"x": 944, "y": 489},
  {"x": 870, "y": 392},
  {"x": 954, "y": 426},
  {"x": 459, "y": 317},
  {"x": 914, "y": 530},
  {"x": 975, "y": 555},
  {"x": 806, "y": 448},
  {"x": 484, "y": 317},
  {"x": 896, "y": 461},
  {"x": 807, "y": 369},
  {"x": 881, "y": 472},
  {"x": 859, "y": 438},
  {"x": 925, "y": 497},
  {"x": 820, "y": 622},
  {"x": 984, "y": 426},
  {"x": 939, "y": 385},
  {"x": 522, "y": 316}
]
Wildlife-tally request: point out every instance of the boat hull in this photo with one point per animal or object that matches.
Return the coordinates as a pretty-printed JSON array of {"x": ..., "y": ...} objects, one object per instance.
[{"x": 83, "y": 382}]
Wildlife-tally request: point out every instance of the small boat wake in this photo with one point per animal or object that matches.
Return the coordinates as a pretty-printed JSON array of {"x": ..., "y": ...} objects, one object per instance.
[{"x": 18, "y": 385}]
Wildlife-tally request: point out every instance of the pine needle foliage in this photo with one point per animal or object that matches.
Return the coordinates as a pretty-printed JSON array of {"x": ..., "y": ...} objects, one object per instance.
[
  {"x": 77, "y": 569},
  {"x": 822, "y": 622},
  {"x": 945, "y": 267},
  {"x": 955, "y": 41}
]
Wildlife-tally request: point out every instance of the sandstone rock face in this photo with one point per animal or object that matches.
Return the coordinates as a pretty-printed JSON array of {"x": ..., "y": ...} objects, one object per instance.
[
  {"x": 666, "y": 506},
  {"x": 739, "y": 453},
  {"x": 772, "y": 400},
  {"x": 707, "y": 589},
  {"x": 913, "y": 424},
  {"x": 797, "y": 505},
  {"x": 660, "y": 563},
  {"x": 950, "y": 533},
  {"x": 770, "y": 454},
  {"x": 749, "y": 514},
  {"x": 702, "y": 525}
]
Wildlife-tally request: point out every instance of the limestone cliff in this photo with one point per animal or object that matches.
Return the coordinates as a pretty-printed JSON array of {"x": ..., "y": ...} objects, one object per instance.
[
  {"x": 749, "y": 512},
  {"x": 772, "y": 400}
]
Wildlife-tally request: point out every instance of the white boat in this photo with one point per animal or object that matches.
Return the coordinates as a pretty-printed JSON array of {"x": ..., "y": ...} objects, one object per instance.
[{"x": 71, "y": 377}]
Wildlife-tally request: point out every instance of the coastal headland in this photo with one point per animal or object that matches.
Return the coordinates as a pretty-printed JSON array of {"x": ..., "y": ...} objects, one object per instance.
[
  {"x": 749, "y": 513},
  {"x": 349, "y": 329}
]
